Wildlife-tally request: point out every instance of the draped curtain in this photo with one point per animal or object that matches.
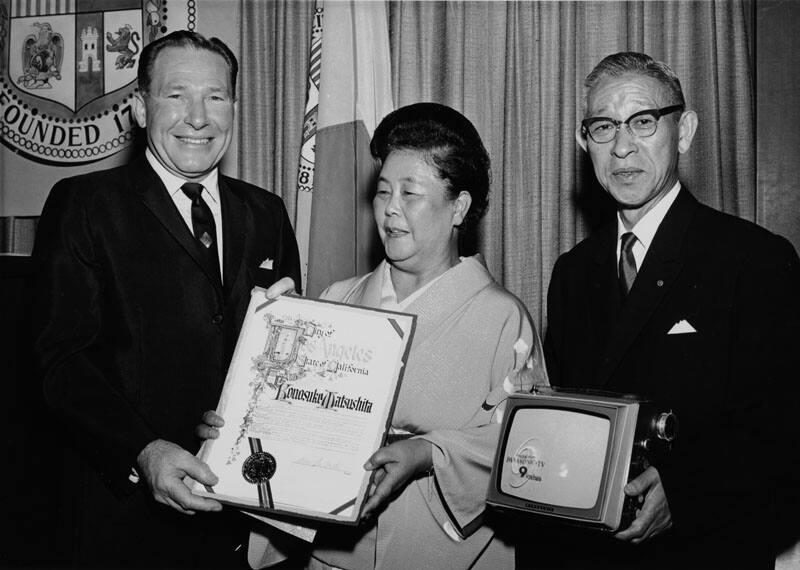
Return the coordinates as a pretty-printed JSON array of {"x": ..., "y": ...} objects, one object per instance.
[
  {"x": 273, "y": 67},
  {"x": 516, "y": 70}
]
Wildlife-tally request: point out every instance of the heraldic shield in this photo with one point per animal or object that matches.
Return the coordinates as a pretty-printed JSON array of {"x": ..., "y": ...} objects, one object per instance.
[{"x": 69, "y": 71}]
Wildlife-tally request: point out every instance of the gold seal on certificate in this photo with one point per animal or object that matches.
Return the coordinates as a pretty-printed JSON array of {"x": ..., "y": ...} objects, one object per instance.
[{"x": 308, "y": 398}]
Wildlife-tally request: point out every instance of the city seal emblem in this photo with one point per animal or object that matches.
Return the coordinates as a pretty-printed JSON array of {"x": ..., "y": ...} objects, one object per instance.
[{"x": 68, "y": 73}]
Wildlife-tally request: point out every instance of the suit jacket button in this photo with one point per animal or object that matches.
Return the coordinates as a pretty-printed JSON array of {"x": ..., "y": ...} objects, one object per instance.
[{"x": 217, "y": 319}]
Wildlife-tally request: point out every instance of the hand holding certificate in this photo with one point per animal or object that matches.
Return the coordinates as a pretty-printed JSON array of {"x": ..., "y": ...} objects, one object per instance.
[{"x": 308, "y": 398}]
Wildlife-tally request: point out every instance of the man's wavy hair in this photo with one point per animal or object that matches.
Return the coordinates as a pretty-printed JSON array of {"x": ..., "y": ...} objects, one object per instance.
[
  {"x": 626, "y": 62},
  {"x": 184, "y": 39}
]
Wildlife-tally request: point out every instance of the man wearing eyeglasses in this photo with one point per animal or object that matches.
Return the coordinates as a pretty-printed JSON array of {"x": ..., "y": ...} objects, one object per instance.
[{"x": 689, "y": 307}]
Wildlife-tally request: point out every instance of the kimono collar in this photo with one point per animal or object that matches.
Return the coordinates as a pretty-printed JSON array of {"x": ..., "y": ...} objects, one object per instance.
[{"x": 449, "y": 293}]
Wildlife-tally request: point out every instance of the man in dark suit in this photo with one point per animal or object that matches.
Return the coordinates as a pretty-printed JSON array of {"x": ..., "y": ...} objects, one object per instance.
[
  {"x": 692, "y": 308},
  {"x": 145, "y": 276}
]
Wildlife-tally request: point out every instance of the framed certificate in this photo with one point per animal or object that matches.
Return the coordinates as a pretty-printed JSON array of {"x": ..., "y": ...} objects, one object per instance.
[{"x": 308, "y": 398}]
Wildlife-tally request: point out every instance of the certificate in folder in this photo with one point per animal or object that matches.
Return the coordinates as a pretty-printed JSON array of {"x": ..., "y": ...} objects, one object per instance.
[{"x": 308, "y": 398}]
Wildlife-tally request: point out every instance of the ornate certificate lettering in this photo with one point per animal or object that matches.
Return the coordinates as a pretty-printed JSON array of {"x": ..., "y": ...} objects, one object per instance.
[{"x": 308, "y": 398}]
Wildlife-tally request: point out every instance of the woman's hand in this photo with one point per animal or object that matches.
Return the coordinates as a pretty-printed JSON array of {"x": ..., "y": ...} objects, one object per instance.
[
  {"x": 280, "y": 287},
  {"x": 395, "y": 465},
  {"x": 209, "y": 428}
]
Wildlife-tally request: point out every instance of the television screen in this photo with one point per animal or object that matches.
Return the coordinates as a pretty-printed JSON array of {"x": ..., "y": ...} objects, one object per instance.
[
  {"x": 566, "y": 455},
  {"x": 556, "y": 457}
]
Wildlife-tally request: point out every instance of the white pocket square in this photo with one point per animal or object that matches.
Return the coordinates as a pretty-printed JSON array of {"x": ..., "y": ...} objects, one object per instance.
[
  {"x": 266, "y": 264},
  {"x": 682, "y": 327}
]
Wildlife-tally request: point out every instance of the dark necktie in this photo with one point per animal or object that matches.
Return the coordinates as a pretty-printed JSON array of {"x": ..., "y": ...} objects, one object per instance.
[
  {"x": 627, "y": 263},
  {"x": 203, "y": 223}
]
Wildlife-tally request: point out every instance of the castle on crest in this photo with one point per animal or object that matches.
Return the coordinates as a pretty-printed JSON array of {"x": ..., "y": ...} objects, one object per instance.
[{"x": 89, "y": 60}]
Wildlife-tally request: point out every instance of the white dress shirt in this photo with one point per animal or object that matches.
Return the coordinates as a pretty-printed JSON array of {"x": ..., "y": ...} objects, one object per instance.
[
  {"x": 646, "y": 228},
  {"x": 184, "y": 204}
]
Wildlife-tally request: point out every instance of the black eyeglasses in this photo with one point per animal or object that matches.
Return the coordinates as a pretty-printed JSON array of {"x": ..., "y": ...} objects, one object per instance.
[{"x": 642, "y": 124}]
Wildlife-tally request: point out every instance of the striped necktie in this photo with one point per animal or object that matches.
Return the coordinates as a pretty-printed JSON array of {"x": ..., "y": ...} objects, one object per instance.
[
  {"x": 627, "y": 263},
  {"x": 205, "y": 230}
]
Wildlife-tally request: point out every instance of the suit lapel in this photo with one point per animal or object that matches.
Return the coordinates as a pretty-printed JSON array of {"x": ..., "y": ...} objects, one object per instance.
[
  {"x": 604, "y": 296},
  {"x": 658, "y": 273},
  {"x": 154, "y": 196},
  {"x": 235, "y": 222}
]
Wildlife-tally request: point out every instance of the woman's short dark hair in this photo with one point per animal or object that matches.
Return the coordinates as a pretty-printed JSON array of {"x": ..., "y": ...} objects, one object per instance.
[
  {"x": 184, "y": 39},
  {"x": 448, "y": 141}
]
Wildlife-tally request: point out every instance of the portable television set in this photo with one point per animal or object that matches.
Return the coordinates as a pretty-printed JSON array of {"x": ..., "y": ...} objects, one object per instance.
[{"x": 567, "y": 455}]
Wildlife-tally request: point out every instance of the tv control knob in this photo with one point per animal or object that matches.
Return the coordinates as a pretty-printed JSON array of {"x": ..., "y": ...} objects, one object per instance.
[{"x": 666, "y": 426}]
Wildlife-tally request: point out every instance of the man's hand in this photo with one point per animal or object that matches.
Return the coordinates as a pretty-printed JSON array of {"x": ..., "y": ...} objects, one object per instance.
[
  {"x": 653, "y": 517},
  {"x": 395, "y": 465},
  {"x": 209, "y": 429},
  {"x": 281, "y": 286},
  {"x": 163, "y": 465}
]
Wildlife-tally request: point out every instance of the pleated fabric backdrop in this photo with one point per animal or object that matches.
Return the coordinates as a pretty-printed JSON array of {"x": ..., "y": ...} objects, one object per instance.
[{"x": 516, "y": 70}]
